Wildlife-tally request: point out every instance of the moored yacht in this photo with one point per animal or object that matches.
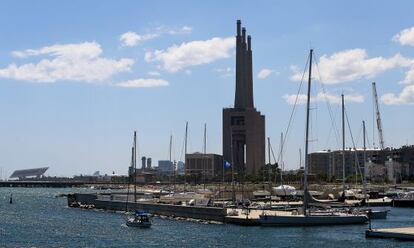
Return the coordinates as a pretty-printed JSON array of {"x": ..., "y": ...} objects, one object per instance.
[{"x": 307, "y": 217}]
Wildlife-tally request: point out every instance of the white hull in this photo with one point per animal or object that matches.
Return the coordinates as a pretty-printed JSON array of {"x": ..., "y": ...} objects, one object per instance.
[{"x": 312, "y": 220}]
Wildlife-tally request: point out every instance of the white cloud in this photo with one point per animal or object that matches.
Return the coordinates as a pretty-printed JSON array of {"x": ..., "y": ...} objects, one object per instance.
[
  {"x": 264, "y": 73},
  {"x": 409, "y": 76},
  {"x": 74, "y": 62},
  {"x": 177, "y": 58},
  {"x": 351, "y": 65},
  {"x": 154, "y": 73},
  {"x": 132, "y": 39},
  {"x": 79, "y": 50},
  {"x": 405, "y": 37},
  {"x": 143, "y": 83},
  {"x": 297, "y": 74},
  {"x": 182, "y": 30},
  {"x": 323, "y": 97},
  {"x": 225, "y": 72},
  {"x": 405, "y": 97}
]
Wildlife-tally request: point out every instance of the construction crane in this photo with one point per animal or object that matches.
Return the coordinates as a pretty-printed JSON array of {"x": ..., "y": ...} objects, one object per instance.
[{"x": 379, "y": 123}]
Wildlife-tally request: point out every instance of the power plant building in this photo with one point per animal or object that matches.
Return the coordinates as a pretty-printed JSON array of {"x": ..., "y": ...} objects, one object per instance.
[
  {"x": 143, "y": 163},
  {"x": 243, "y": 125},
  {"x": 165, "y": 167}
]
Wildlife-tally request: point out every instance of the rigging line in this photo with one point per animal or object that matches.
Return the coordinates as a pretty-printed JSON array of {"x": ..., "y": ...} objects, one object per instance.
[
  {"x": 335, "y": 128},
  {"x": 138, "y": 149},
  {"x": 368, "y": 141},
  {"x": 330, "y": 132},
  {"x": 182, "y": 149},
  {"x": 373, "y": 122},
  {"x": 315, "y": 125},
  {"x": 274, "y": 158},
  {"x": 189, "y": 143},
  {"x": 293, "y": 109},
  {"x": 353, "y": 142},
  {"x": 359, "y": 134},
  {"x": 313, "y": 129}
]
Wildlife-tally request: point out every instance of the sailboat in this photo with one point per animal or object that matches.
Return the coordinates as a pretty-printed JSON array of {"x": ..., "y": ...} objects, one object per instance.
[
  {"x": 372, "y": 214},
  {"x": 284, "y": 191},
  {"x": 186, "y": 197},
  {"x": 139, "y": 218},
  {"x": 305, "y": 217}
]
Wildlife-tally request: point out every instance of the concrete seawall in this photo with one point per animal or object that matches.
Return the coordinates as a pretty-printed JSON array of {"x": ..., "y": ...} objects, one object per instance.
[{"x": 195, "y": 212}]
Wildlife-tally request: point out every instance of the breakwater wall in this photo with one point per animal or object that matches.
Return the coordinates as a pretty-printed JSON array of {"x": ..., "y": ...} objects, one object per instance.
[
  {"x": 41, "y": 184},
  {"x": 195, "y": 212}
]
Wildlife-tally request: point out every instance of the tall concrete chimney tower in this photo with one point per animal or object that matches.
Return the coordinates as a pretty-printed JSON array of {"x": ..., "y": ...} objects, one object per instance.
[
  {"x": 244, "y": 126},
  {"x": 144, "y": 163},
  {"x": 149, "y": 162}
]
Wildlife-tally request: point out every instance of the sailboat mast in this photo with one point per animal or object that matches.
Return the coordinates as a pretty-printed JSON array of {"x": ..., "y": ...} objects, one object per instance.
[
  {"x": 365, "y": 160},
  {"x": 305, "y": 177},
  {"x": 233, "y": 195},
  {"x": 343, "y": 144},
  {"x": 170, "y": 160},
  {"x": 204, "y": 160},
  {"x": 131, "y": 174},
  {"x": 281, "y": 159},
  {"x": 185, "y": 153},
  {"x": 135, "y": 166},
  {"x": 269, "y": 171}
]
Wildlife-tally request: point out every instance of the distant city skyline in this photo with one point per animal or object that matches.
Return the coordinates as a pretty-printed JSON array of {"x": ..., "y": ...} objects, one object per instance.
[{"x": 77, "y": 78}]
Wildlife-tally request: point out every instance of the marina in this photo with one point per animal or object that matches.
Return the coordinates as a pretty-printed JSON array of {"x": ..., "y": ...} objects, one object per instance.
[
  {"x": 158, "y": 125},
  {"x": 182, "y": 207},
  {"x": 56, "y": 224}
]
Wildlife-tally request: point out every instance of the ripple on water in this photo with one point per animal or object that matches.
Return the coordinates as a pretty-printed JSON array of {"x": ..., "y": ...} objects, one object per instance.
[{"x": 38, "y": 219}]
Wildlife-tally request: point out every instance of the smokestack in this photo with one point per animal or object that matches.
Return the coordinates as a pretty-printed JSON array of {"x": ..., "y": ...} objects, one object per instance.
[
  {"x": 238, "y": 27},
  {"x": 144, "y": 163},
  {"x": 249, "y": 43},
  {"x": 249, "y": 74},
  {"x": 244, "y": 35},
  {"x": 149, "y": 160}
]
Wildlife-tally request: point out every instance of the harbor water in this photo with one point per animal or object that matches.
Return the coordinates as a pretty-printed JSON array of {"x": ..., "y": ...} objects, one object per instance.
[{"x": 37, "y": 218}]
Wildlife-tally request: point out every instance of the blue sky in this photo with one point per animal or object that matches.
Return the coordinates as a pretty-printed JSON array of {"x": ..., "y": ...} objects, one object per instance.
[{"x": 77, "y": 77}]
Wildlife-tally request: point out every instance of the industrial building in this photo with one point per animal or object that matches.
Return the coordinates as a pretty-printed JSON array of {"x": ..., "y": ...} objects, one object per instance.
[
  {"x": 165, "y": 167},
  {"x": 199, "y": 164},
  {"x": 243, "y": 125}
]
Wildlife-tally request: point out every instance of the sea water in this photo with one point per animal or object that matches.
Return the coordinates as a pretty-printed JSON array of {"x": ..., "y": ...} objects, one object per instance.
[{"x": 37, "y": 218}]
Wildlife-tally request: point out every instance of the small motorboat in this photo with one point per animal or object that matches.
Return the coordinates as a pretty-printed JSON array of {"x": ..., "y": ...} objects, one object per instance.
[{"x": 139, "y": 219}]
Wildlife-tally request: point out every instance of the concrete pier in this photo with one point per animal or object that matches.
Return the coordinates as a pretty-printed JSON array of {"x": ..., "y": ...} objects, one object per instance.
[
  {"x": 233, "y": 216},
  {"x": 194, "y": 212},
  {"x": 404, "y": 233}
]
